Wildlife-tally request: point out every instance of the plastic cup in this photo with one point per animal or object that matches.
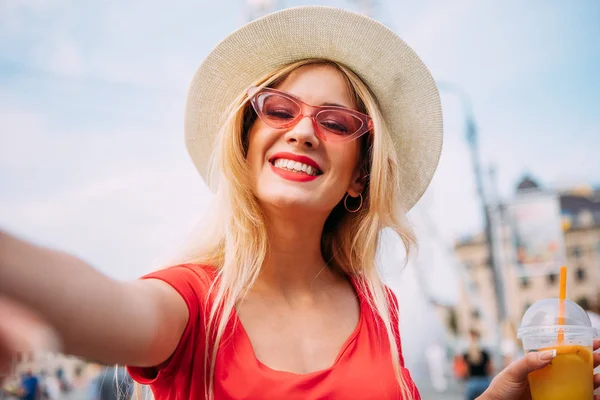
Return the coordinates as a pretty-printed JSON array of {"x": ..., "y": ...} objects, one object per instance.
[{"x": 570, "y": 376}]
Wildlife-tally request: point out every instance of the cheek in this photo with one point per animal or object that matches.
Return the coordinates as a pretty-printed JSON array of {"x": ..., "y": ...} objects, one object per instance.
[
  {"x": 345, "y": 157},
  {"x": 255, "y": 143},
  {"x": 260, "y": 139}
]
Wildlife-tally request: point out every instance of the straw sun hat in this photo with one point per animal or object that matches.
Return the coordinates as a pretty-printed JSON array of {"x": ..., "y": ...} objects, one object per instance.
[{"x": 403, "y": 86}]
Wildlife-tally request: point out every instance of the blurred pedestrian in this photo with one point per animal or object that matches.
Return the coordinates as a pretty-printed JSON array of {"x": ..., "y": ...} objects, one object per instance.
[
  {"x": 30, "y": 386},
  {"x": 479, "y": 367},
  {"x": 63, "y": 380}
]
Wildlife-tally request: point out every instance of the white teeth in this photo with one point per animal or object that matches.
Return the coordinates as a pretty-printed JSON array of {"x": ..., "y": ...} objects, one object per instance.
[{"x": 295, "y": 166}]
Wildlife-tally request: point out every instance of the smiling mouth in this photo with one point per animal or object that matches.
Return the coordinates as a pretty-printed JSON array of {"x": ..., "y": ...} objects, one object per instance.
[{"x": 295, "y": 166}]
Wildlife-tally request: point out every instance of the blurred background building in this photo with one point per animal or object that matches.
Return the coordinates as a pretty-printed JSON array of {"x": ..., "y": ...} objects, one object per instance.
[{"x": 576, "y": 218}]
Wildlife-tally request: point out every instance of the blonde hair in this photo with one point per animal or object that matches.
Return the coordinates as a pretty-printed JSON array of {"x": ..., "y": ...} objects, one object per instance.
[{"x": 235, "y": 242}]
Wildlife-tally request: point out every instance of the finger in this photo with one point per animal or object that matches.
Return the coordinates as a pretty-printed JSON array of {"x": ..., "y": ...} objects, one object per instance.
[
  {"x": 518, "y": 370},
  {"x": 596, "y": 345},
  {"x": 596, "y": 381},
  {"x": 596, "y": 359}
]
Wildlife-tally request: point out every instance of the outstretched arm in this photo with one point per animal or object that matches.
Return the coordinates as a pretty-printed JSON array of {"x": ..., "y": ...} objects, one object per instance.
[{"x": 91, "y": 315}]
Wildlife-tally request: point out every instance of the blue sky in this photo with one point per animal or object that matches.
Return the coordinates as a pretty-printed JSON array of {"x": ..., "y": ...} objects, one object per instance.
[{"x": 91, "y": 109}]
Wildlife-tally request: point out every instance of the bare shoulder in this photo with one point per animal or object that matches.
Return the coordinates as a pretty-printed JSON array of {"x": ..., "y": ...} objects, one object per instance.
[{"x": 161, "y": 294}]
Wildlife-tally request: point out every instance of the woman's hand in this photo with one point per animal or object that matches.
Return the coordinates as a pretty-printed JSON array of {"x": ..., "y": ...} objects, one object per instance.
[
  {"x": 511, "y": 383},
  {"x": 22, "y": 331}
]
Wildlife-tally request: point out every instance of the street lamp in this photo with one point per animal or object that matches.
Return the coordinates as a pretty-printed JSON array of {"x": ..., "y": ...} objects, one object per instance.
[{"x": 472, "y": 139}]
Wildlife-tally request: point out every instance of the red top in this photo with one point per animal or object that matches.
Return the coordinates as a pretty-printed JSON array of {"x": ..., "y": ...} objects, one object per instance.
[{"x": 362, "y": 370}]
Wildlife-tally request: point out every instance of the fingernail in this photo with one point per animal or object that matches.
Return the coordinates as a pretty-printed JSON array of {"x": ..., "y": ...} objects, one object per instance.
[{"x": 547, "y": 355}]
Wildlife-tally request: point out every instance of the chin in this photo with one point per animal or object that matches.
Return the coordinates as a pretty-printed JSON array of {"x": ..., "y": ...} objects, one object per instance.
[{"x": 286, "y": 198}]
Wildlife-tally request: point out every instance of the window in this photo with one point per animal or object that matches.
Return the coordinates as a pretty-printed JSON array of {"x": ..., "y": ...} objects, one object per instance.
[
  {"x": 583, "y": 303},
  {"x": 526, "y": 307},
  {"x": 468, "y": 264},
  {"x": 552, "y": 279},
  {"x": 580, "y": 274},
  {"x": 525, "y": 282},
  {"x": 576, "y": 251},
  {"x": 475, "y": 314}
]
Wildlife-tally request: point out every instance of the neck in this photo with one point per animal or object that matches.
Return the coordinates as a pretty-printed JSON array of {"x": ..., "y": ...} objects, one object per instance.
[{"x": 294, "y": 263}]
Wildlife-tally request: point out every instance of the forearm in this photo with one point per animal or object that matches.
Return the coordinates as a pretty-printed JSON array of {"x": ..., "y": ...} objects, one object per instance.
[{"x": 91, "y": 313}]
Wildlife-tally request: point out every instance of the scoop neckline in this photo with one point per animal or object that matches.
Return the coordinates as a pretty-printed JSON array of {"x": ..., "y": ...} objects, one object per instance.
[{"x": 351, "y": 338}]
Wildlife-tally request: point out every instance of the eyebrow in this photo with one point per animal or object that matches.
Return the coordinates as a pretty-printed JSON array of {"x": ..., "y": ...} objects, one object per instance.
[
  {"x": 327, "y": 104},
  {"x": 334, "y": 105}
]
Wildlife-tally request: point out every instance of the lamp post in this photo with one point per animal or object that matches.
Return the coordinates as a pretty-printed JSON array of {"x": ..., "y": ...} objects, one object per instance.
[{"x": 471, "y": 135}]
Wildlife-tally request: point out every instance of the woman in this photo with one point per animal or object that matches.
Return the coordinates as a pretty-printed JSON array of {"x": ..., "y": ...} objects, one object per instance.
[
  {"x": 317, "y": 128},
  {"x": 479, "y": 367}
]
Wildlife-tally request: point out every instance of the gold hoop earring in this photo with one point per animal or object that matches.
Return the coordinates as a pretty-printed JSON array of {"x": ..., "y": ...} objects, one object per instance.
[{"x": 360, "y": 197}]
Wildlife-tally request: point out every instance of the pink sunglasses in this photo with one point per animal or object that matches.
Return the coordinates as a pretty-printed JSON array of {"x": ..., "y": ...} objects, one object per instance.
[{"x": 331, "y": 123}]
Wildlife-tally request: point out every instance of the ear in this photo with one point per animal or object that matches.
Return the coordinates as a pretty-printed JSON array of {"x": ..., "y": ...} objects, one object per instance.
[{"x": 357, "y": 184}]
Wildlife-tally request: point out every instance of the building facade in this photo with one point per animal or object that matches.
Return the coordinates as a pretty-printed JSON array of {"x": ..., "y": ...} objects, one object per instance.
[{"x": 477, "y": 307}]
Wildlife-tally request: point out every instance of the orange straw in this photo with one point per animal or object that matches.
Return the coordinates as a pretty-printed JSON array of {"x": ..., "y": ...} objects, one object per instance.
[{"x": 561, "y": 303}]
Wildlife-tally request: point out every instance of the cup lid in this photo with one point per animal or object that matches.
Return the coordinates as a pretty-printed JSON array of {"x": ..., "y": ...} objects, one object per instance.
[{"x": 543, "y": 317}]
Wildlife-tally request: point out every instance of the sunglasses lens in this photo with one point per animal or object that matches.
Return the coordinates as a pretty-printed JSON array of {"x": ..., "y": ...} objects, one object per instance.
[
  {"x": 277, "y": 110},
  {"x": 338, "y": 122}
]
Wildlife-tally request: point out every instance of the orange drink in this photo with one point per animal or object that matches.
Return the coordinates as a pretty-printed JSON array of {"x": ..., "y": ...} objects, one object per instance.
[
  {"x": 563, "y": 326},
  {"x": 568, "y": 377}
]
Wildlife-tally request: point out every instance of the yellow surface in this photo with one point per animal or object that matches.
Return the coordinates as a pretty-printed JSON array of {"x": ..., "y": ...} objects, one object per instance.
[{"x": 568, "y": 377}]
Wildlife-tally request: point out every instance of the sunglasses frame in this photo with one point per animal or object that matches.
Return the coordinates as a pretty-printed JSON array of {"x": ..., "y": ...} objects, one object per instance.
[{"x": 307, "y": 110}]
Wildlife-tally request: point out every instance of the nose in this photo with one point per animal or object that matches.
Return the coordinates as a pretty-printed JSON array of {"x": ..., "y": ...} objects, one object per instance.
[{"x": 303, "y": 134}]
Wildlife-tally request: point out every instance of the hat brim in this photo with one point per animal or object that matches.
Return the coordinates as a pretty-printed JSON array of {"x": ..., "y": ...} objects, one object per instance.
[{"x": 402, "y": 84}]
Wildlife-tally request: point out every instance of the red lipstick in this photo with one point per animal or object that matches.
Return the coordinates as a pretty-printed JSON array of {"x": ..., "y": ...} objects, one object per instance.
[
  {"x": 295, "y": 176},
  {"x": 298, "y": 158}
]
